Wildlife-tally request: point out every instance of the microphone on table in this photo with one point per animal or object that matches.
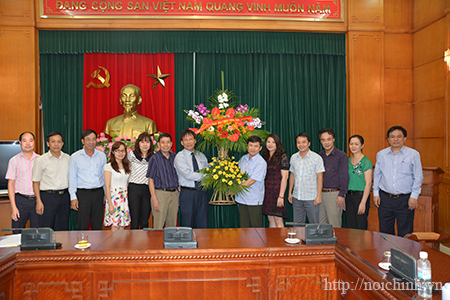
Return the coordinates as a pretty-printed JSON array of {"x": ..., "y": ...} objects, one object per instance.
[
  {"x": 36, "y": 238},
  {"x": 403, "y": 264}
]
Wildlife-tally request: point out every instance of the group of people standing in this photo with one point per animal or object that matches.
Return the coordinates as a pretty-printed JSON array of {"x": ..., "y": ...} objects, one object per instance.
[
  {"x": 322, "y": 185},
  {"x": 319, "y": 186}
]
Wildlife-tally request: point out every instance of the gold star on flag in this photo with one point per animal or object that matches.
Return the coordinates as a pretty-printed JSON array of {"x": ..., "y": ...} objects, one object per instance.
[{"x": 159, "y": 78}]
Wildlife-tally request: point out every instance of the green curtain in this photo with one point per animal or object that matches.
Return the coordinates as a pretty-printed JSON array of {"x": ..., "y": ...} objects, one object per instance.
[
  {"x": 297, "y": 80},
  {"x": 62, "y": 101},
  {"x": 294, "y": 93},
  {"x": 76, "y": 42},
  {"x": 62, "y": 97}
]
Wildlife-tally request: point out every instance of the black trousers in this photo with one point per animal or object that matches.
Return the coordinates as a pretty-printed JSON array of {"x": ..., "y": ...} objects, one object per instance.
[
  {"x": 56, "y": 210},
  {"x": 395, "y": 208},
  {"x": 90, "y": 208},
  {"x": 194, "y": 208},
  {"x": 250, "y": 215},
  {"x": 139, "y": 204},
  {"x": 27, "y": 210},
  {"x": 352, "y": 202}
]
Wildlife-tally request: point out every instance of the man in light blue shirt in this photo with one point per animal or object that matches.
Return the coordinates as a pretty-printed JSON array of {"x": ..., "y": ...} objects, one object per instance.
[
  {"x": 86, "y": 183},
  {"x": 397, "y": 183},
  {"x": 250, "y": 202},
  {"x": 305, "y": 182},
  {"x": 193, "y": 200}
]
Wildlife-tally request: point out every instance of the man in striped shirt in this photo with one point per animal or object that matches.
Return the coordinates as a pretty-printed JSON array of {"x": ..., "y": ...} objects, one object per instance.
[{"x": 20, "y": 186}]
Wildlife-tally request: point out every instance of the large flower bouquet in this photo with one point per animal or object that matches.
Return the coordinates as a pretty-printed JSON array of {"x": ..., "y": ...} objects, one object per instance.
[
  {"x": 227, "y": 126},
  {"x": 104, "y": 144},
  {"x": 224, "y": 176}
]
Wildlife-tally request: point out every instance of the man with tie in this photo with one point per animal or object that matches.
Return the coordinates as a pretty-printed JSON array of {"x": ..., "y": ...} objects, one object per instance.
[{"x": 194, "y": 205}]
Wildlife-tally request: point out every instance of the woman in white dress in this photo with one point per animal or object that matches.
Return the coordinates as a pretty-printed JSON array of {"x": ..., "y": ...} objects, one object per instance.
[{"x": 116, "y": 175}]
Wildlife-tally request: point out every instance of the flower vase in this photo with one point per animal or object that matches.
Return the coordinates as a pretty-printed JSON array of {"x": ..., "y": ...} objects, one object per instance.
[{"x": 220, "y": 198}]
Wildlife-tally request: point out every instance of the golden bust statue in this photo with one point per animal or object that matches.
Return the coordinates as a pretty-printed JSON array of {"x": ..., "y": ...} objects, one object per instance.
[{"x": 130, "y": 123}]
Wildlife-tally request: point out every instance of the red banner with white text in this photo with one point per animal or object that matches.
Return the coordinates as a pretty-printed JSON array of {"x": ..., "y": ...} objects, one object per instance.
[{"x": 292, "y": 10}]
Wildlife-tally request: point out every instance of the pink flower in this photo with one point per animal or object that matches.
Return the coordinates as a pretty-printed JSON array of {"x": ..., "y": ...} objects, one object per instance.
[
  {"x": 154, "y": 142},
  {"x": 129, "y": 149},
  {"x": 117, "y": 139},
  {"x": 110, "y": 145},
  {"x": 133, "y": 140},
  {"x": 157, "y": 149},
  {"x": 103, "y": 139},
  {"x": 125, "y": 137},
  {"x": 98, "y": 140},
  {"x": 102, "y": 134},
  {"x": 100, "y": 148}
]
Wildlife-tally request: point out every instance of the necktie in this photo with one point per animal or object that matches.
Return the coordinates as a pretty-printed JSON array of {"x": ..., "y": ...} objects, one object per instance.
[{"x": 195, "y": 164}]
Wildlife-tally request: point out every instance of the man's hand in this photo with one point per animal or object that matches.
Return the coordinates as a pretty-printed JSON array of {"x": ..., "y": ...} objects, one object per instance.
[
  {"x": 290, "y": 198},
  {"x": 155, "y": 204},
  {"x": 340, "y": 201},
  {"x": 376, "y": 201},
  {"x": 39, "y": 208},
  {"x": 412, "y": 203},
  {"x": 15, "y": 215},
  {"x": 318, "y": 200},
  {"x": 74, "y": 204}
]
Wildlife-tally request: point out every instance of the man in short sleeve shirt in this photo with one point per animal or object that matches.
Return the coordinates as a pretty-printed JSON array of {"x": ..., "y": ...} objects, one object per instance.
[
  {"x": 397, "y": 183},
  {"x": 250, "y": 202},
  {"x": 305, "y": 182},
  {"x": 20, "y": 185},
  {"x": 51, "y": 183}
]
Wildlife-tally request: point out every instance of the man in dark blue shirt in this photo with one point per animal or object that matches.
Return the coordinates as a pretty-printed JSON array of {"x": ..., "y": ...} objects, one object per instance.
[{"x": 163, "y": 184}]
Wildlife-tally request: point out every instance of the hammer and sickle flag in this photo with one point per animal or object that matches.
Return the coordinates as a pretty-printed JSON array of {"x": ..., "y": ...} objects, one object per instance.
[{"x": 104, "y": 81}]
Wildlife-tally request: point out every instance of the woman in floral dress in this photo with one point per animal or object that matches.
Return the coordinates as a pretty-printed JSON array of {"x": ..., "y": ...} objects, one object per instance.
[{"x": 116, "y": 173}]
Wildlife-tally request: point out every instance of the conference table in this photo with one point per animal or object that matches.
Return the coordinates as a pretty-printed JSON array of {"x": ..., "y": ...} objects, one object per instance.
[{"x": 247, "y": 263}]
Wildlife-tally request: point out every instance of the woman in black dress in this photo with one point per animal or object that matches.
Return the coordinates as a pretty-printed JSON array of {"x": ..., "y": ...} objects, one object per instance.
[{"x": 276, "y": 181}]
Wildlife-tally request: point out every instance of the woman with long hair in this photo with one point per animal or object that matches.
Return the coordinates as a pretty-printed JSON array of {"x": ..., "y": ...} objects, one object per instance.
[
  {"x": 116, "y": 174},
  {"x": 360, "y": 169},
  {"x": 276, "y": 180},
  {"x": 138, "y": 192}
]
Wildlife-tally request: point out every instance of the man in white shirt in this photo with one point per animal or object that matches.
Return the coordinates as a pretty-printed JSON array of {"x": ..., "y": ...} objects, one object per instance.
[
  {"x": 193, "y": 200},
  {"x": 51, "y": 183}
]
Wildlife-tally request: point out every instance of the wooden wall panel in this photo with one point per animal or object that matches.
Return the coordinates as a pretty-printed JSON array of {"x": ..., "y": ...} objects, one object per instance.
[
  {"x": 444, "y": 206},
  {"x": 398, "y": 86},
  {"x": 400, "y": 114},
  {"x": 425, "y": 10},
  {"x": 429, "y": 119},
  {"x": 17, "y": 12},
  {"x": 431, "y": 151},
  {"x": 429, "y": 81},
  {"x": 18, "y": 75},
  {"x": 398, "y": 50},
  {"x": 366, "y": 72},
  {"x": 365, "y": 12},
  {"x": 398, "y": 15},
  {"x": 429, "y": 43}
]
